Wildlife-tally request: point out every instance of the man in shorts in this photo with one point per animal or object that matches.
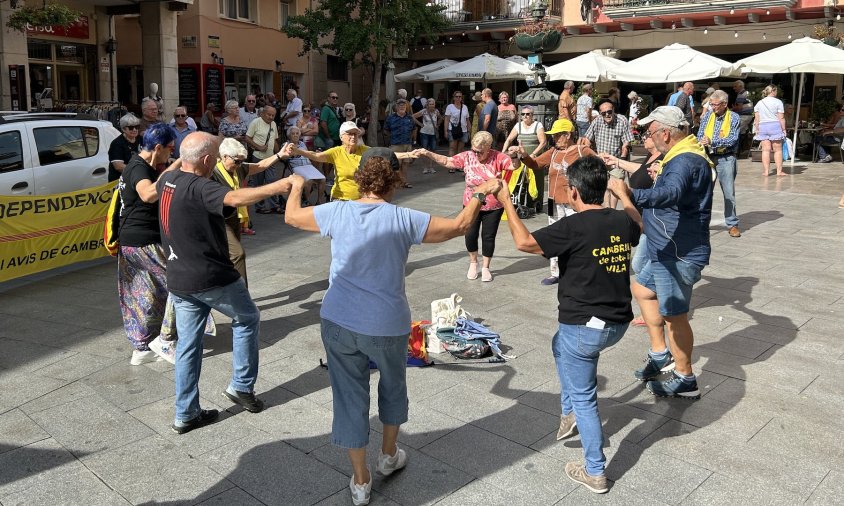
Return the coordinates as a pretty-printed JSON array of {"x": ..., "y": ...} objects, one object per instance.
[{"x": 676, "y": 214}]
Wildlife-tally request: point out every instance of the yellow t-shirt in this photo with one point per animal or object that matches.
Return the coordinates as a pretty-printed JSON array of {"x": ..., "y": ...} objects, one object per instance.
[{"x": 345, "y": 165}]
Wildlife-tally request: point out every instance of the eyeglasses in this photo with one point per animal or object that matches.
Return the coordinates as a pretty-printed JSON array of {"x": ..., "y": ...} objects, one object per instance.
[
  {"x": 717, "y": 104},
  {"x": 180, "y": 115},
  {"x": 479, "y": 152},
  {"x": 527, "y": 114},
  {"x": 236, "y": 161},
  {"x": 132, "y": 127},
  {"x": 607, "y": 114},
  {"x": 648, "y": 134}
]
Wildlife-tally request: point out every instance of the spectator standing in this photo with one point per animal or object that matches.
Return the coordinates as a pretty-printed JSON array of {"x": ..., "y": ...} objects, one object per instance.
[
  {"x": 329, "y": 123},
  {"x": 567, "y": 107},
  {"x": 584, "y": 109},
  {"x": 507, "y": 118},
  {"x": 429, "y": 120},
  {"x": 456, "y": 124},
  {"x": 293, "y": 111},
  {"x": 678, "y": 209},
  {"x": 309, "y": 125},
  {"x": 350, "y": 113},
  {"x": 122, "y": 148},
  {"x": 770, "y": 129},
  {"x": 262, "y": 137},
  {"x": 231, "y": 125},
  {"x": 399, "y": 129},
  {"x": 528, "y": 134},
  {"x": 611, "y": 135},
  {"x": 672, "y": 99},
  {"x": 201, "y": 277},
  {"x": 633, "y": 114},
  {"x": 719, "y": 134},
  {"x": 182, "y": 127},
  {"x": 594, "y": 301},
  {"x": 488, "y": 118},
  {"x": 743, "y": 106},
  {"x": 303, "y": 167},
  {"x": 149, "y": 114},
  {"x": 614, "y": 96},
  {"x": 209, "y": 122},
  {"x": 249, "y": 111},
  {"x": 685, "y": 104},
  {"x": 417, "y": 103}
]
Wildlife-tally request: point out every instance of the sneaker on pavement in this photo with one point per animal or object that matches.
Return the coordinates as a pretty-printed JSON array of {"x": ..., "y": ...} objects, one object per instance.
[
  {"x": 245, "y": 399},
  {"x": 143, "y": 357},
  {"x": 826, "y": 159},
  {"x": 387, "y": 464},
  {"x": 675, "y": 386},
  {"x": 205, "y": 417},
  {"x": 577, "y": 473},
  {"x": 568, "y": 426},
  {"x": 164, "y": 349},
  {"x": 550, "y": 280},
  {"x": 654, "y": 367},
  {"x": 360, "y": 493}
]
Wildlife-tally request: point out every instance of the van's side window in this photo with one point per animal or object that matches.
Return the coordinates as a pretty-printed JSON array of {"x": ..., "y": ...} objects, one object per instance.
[
  {"x": 63, "y": 144},
  {"x": 11, "y": 152}
]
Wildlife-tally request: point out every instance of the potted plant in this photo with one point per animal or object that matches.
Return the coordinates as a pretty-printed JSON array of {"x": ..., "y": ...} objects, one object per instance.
[
  {"x": 537, "y": 35},
  {"x": 827, "y": 34},
  {"x": 45, "y": 15}
]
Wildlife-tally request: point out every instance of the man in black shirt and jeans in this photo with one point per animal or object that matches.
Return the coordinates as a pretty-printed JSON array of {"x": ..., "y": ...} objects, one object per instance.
[
  {"x": 593, "y": 248},
  {"x": 201, "y": 277}
]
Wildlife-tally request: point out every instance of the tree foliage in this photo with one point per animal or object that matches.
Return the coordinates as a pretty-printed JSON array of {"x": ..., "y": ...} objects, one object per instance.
[{"x": 367, "y": 31}]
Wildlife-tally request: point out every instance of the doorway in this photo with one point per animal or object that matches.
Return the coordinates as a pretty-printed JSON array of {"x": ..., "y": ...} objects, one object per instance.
[{"x": 71, "y": 83}]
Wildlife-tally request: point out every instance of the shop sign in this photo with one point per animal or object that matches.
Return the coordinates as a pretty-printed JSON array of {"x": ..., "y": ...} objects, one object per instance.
[
  {"x": 214, "y": 41},
  {"x": 105, "y": 67},
  {"x": 189, "y": 41},
  {"x": 77, "y": 30},
  {"x": 214, "y": 84}
]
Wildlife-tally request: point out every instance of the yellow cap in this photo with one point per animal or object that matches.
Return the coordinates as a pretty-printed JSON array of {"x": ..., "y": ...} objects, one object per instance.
[{"x": 561, "y": 125}]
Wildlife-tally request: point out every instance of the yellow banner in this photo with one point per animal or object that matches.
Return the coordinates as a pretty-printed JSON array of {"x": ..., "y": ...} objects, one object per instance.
[{"x": 49, "y": 231}]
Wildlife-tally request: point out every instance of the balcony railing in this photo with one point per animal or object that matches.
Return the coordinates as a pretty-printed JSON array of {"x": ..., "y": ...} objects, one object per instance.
[
  {"x": 620, "y": 9},
  {"x": 474, "y": 11}
]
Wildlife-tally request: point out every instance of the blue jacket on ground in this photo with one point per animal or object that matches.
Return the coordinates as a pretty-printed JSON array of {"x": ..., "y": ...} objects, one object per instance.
[{"x": 677, "y": 210}]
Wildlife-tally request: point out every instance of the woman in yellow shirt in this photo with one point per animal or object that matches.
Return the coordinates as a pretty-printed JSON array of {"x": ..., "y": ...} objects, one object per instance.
[{"x": 345, "y": 158}]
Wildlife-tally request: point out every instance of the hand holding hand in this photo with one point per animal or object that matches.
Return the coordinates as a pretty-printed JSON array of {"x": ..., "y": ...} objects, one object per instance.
[
  {"x": 489, "y": 187},
  {"x": 608, "y": 158},
  {"x": 584, "y": 141},
  {"x": 618, "y": 187},
  {"x": 516, "y": 149},
  {"x": 503, "y": 193},
  {"x": 419, "y": 152}
]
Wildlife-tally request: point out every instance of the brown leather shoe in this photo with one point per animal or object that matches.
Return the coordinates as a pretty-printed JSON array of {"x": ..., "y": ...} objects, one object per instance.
[{"x": 734, "y": 232}]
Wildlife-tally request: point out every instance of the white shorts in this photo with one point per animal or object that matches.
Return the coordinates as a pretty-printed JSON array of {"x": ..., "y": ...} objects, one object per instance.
[{"x": 309, "y": 172}]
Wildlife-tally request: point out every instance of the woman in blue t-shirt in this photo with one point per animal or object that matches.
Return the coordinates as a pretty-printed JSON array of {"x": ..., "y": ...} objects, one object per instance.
[{"x": 365, "y": 314}]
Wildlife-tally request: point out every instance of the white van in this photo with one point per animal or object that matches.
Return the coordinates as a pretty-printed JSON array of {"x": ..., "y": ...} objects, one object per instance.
[{"x": 47, "y": 153}]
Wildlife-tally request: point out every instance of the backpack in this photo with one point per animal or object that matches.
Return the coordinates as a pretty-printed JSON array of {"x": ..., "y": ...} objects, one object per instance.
[{"x": 112, "y": 223}]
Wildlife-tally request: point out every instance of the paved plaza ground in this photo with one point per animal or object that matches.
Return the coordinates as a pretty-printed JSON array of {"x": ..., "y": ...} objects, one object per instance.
[{"x": 79, "y": 425}]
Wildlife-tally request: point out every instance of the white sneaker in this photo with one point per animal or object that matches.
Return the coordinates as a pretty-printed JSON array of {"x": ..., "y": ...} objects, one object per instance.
[
  {"x": 360, "y": 493},
  {"x": 164, "y": 349},
  {"x": 143, "y": 357},
  {"x": 387, "y": 465},
  {"x": 826, "y": 159},
  {"x": 432, "y": 171}
]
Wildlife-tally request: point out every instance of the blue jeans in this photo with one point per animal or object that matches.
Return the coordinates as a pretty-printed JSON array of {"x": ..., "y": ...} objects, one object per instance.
[
  {"x": 260, "y": 179},
  {"x": 348, "y": 355},
  {"x": 582, "y": 127},
  {"x": 672, "y": 282},
  {"x": 725, "y": 166},
  {"x": 576, "y": 350},
  {"x": 640, "y": 256},
  {"x": 429, "y": 141},
  {"x": 829, "y": 140},
  {"x": 192, "y": 310}
]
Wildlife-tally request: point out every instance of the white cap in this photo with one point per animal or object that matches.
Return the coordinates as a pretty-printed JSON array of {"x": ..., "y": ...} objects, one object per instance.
[
  {"x": 668, "y": 115},
  {"x": 348, "y": 126}
]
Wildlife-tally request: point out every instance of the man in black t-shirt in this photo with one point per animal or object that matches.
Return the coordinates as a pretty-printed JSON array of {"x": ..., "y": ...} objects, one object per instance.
[
  {"x": 201, "y": 277},
  {"x": 593, "y": 249}
]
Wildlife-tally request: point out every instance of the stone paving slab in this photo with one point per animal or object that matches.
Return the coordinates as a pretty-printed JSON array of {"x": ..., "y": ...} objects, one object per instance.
[{"x": 77, "y": 423}]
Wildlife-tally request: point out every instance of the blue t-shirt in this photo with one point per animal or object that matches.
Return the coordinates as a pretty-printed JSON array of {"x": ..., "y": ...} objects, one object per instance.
[
  {"x": 491, "y": 110},
  {"x": 369, "y": 248},
  {"x": 400, "y": 128}
]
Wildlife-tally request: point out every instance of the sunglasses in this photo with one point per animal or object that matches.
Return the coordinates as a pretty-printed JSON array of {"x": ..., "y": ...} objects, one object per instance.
[
  {"x": 527, "y": 114},
  {"x": 607, "y": 114},
  {"x": 306, "y": 110},
  {"x": 349, "y": 110},
  {"x": 132, "y": 127},
  {"x": 180, "y": 115},
  {"x": 251, "y": 101},
  {"x": 458, "y": 96},
  {"x": 478, "y": 152},
  {"x": 334, "y": 97}
]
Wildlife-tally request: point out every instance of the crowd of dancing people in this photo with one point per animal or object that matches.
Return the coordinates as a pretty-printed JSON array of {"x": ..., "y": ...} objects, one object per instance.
[{"x": 183, "y": 219}]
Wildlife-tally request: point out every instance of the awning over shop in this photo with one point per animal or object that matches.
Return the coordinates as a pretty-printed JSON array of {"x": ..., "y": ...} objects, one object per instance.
[
  {"x": 484, "y": 67},
  {"x": 418, "y": 74},
  {"x": 672, "y": 64},
  {"x": 589, "y": 67}
]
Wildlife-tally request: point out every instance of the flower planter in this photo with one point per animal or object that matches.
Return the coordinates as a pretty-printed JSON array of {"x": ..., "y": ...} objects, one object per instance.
[
  {"x": 538, "y": 42},
  {"x": 831, "y": 41}
]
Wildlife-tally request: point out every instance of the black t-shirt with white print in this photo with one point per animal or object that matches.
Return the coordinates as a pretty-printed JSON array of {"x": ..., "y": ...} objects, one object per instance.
[
  {"x": 193, "y": 232},
  {"x": 594, "y": 249}
]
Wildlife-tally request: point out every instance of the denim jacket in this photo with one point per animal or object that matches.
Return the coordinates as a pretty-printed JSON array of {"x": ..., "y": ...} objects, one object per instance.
[{"x": 677, "y": 210}]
